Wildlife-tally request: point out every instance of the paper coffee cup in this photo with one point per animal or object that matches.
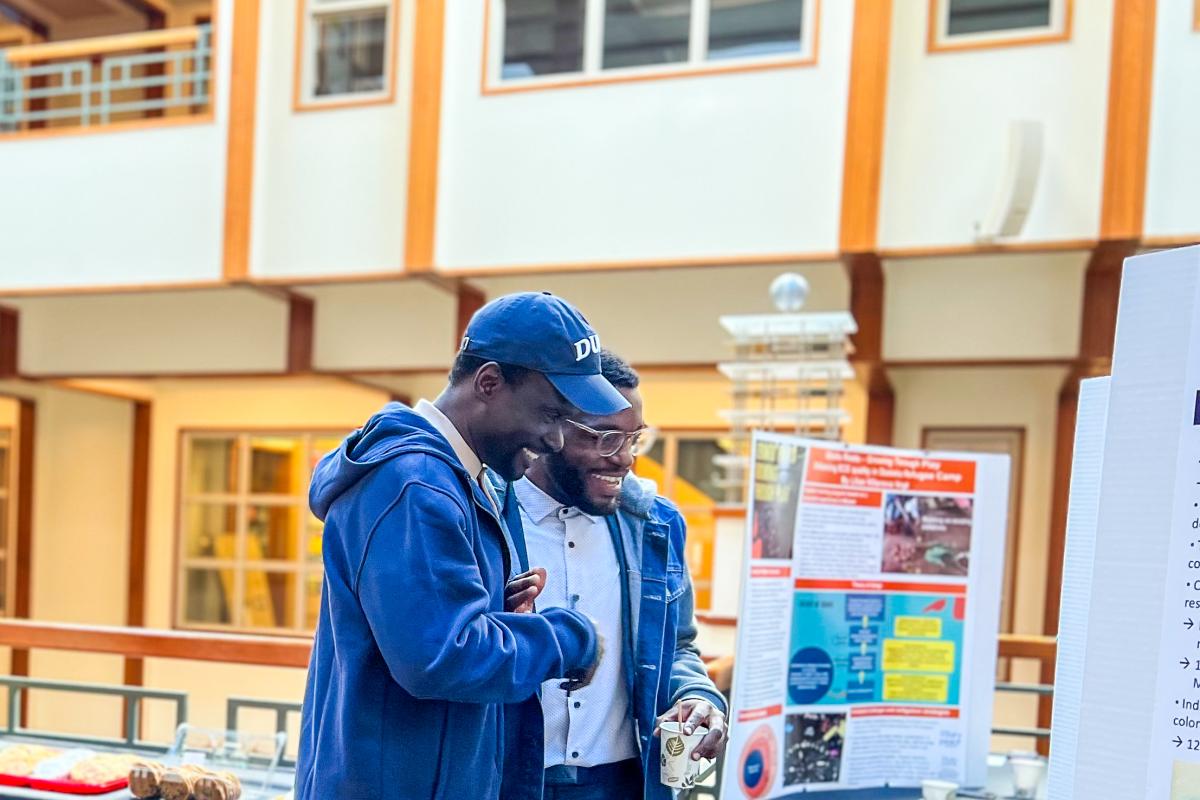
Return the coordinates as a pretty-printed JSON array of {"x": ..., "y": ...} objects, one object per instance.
[
  {"x": 938, "y": 790},
  {"x": 678, "y": 770},
  {"x": 1027, "y": 773}
]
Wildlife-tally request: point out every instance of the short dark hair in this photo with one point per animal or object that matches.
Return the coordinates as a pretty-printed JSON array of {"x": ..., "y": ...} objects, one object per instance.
[
  {"x": 466, "y": 365},
  {"x": 617, "y": 371}
]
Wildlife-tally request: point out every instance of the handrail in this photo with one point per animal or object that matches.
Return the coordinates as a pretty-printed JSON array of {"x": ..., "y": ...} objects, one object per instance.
[
  {"x": 1019, "y": 645},
  {"x": 99, "y": 45},
  {"x": 269, "y": 651}
]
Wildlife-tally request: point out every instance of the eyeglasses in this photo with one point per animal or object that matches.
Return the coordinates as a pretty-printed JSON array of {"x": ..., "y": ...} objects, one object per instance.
[{"x": 609, "y": 443}]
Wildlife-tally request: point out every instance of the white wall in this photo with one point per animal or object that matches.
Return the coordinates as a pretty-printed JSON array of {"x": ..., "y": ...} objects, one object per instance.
[
  {"x": 227, "y": 330},
  {"x": 401, "y": 324},
  {"x": 995, "y": 306},
  {"x": 689, "y": 167},
  {"x": 672, "y": 315},
  {"x": 118, "y": 207},
  {"x": 946, "y": 138},
  {"x": 1173, "y": 174},
  {"x": 330, "y": 186},
  {"x": 81, "y": 488}
]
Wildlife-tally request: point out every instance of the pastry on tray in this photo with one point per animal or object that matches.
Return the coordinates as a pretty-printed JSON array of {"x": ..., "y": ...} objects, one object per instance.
[
  {"x": 102, "y": 769},
  {"x": 179, "y": 783},
  {"x": 144, "y": 779},
  {"x": 21, "y": 759},
  {"x": 218, "y": 786}
]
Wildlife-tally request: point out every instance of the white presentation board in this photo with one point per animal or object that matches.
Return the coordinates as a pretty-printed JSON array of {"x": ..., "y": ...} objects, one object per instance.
[
  {"x": 1139, "y": 701},
  {"x": 867, "y": 629}
]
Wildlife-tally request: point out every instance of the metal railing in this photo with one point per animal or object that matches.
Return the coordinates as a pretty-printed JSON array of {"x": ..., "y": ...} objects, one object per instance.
[
  {"x": 133, "y": 696},
  {"x": 90, "y": 82}
]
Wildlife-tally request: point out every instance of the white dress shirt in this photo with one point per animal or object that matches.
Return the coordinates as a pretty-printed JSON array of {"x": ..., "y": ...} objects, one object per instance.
[{"x": 592, "y": 725}]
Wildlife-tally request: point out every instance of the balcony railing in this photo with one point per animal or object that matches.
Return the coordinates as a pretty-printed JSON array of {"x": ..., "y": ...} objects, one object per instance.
[{"x": 88, "y": 82}]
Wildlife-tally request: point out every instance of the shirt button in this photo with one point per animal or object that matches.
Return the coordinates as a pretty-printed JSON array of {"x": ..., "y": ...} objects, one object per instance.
[
  {"x": 577, "y": 704},
  {"x": 570, "y": 544},
  {"x": 574, "y": 754},
  {"x": 574, "y": 598}
]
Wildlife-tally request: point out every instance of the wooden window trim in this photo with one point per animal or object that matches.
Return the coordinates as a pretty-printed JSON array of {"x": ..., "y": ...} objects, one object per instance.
[
  {"x": 302, "y": 103},
  {"x": 179, "y": 562},
  {"x": 936, "y": 43},
  {"x": 575, "y": 80}
]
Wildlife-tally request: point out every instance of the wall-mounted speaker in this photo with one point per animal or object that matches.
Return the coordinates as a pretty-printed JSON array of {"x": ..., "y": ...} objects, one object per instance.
[{"x": 1014, "y": 196}]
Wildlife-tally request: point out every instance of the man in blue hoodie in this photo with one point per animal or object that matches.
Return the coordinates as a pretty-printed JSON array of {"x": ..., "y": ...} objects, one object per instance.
[
  {"x": 415, "y": 656},
  {"x": 613, "y": 549}
]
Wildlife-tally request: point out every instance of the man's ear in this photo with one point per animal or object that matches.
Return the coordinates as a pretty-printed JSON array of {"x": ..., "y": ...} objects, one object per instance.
[{"x": 488, "y": 381}]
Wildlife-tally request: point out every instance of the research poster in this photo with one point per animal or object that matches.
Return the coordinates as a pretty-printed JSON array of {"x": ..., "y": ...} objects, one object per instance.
[{"x": 868, "y": 621}]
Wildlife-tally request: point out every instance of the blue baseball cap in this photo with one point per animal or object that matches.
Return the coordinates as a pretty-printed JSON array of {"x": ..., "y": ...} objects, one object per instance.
[{"x": 544, "y": 333}]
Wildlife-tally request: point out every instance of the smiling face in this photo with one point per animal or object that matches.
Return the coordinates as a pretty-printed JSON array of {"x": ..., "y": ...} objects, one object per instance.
[
  {"x": 522, "y": 420},
  {"x": 578, "y": 475}
]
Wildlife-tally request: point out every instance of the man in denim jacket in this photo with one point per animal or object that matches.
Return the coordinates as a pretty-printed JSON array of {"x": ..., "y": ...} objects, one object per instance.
[{"x": 601, "y": 542}]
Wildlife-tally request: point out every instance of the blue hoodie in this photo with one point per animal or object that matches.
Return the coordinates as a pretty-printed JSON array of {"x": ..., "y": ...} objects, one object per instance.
[{"x": 414, "y": 656}]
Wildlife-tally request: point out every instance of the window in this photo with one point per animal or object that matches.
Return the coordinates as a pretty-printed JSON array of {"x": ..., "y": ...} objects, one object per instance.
[
  {"x": 681, "y": 463},
  {"x": 250, "y": 551},
  {"x": 542, "y": 37},
  {"x": 565, "y": 42},
  {"x": 964, "y": 24},
  {"x": 348, "y": 50},
  {"x": 637, "y": 32}
]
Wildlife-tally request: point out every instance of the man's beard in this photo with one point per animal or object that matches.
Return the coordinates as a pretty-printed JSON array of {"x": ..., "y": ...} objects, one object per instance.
[{"x": 572, "y": 482}]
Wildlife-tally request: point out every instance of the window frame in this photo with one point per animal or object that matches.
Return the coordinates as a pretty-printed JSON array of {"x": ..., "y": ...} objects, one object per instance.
[
  {"x": 304, "y": 68},
  {"x": 299, "y": 567},
  {"x": 593, "y": 73},
  {"x": 1062, "y": 15}
]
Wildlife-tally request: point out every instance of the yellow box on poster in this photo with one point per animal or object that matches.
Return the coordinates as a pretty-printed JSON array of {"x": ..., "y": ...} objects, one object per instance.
[
  {"x": 908, "y": 656},
  {"x": 903, "y": 687},
  {"x": 919, "y": 627}
]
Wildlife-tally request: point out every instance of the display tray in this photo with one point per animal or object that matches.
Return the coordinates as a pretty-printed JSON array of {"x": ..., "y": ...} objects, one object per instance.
[{"x": 75, "y": 787}]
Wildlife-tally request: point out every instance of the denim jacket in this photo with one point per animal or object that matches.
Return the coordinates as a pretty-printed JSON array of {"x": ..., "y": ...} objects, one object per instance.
[{"x": 662, "y": 663}]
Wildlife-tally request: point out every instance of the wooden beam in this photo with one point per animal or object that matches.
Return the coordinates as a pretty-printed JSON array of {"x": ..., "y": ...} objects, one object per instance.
[
  {"x": 154, "y": 11},
  {"x": 301, "y": 310},
  {"x": 239, "y": 164},
  {"x": 274, "y": 651},
  {"x": 865, "y": 271},
  {"x": 1130, "y": 79},
  {"x": 469, "y": 300},
  {"x": 27, "y": 17},
  {"x": 139, "y": 502},
  {"x": 101, "y": 45},
  {"x": 862, "y": 168},
  {"x": 424, "y": 137},
  {"x": 10, "y": 329},
  {"x": 23, "y": 539}
]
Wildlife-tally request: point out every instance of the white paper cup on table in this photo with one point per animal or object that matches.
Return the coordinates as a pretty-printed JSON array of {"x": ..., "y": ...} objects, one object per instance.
[
  {"x": 938, "y": 790},
  {"x": 1027, "y": 772},
  {"x": 678, "y": 769}
]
